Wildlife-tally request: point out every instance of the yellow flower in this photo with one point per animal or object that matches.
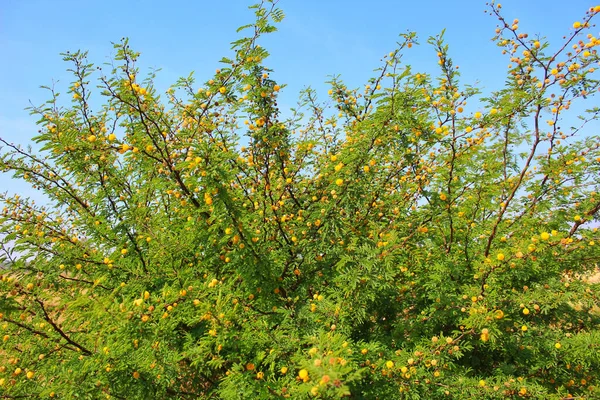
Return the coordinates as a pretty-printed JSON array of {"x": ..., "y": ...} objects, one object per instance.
[{"x": 303, "y": 374}]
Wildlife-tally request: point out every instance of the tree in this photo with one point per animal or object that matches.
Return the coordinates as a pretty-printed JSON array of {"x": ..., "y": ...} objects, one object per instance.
[{"x": 384, "y": 244}]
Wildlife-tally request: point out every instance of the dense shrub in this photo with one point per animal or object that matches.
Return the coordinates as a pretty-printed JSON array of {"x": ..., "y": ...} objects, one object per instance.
[{"x": 391, "y": 242}]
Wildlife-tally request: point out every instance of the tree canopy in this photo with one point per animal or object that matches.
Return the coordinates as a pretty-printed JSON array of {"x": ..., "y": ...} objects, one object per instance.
[{"x": 390, "y": 241}]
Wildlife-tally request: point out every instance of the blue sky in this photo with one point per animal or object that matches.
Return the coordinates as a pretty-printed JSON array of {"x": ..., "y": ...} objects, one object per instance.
[{"x": 315, "y": 40}]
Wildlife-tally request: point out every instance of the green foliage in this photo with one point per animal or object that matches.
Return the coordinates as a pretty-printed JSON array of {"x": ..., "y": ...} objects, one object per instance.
[{"x": 385, "y": 244}]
